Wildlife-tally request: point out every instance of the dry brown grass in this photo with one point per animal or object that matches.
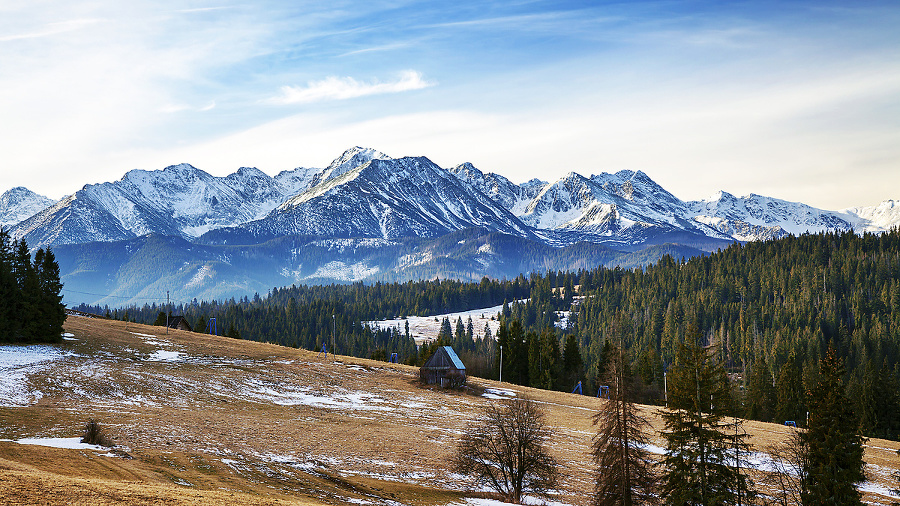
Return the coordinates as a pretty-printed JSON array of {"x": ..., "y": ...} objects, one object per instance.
[{"x": 225, "y": 424}]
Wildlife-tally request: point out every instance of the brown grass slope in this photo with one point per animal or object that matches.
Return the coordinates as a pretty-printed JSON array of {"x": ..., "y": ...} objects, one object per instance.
[{"x": 200, "y": 419}]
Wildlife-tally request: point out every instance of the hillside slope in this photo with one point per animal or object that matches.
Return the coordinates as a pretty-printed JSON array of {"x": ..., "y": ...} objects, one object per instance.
[{"x": 197, "y": 416}]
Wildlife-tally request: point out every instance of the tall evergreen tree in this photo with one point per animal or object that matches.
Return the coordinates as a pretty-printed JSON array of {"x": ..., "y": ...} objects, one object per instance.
[
  {"x": 697, "y": 466},
  {"x": 834, "y": 448},
  {"x": 9, "y": 289},
  {"x": 572, "y": 364},
  {"x": 50, "y": 309},
  {"x": 29, "y": 295},
  {"x": 625, "y": 475},
  {"x": 760, "y": 400}
]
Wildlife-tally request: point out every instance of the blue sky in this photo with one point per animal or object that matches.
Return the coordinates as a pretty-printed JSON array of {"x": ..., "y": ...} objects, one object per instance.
[{"x": 795, "y": 100}]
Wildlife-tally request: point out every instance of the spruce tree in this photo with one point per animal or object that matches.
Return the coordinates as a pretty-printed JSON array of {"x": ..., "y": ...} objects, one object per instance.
[
  {"x": 51, "y": 311},
  {"x": 760, "y": 399},
  {"x": 572, "y": 364},
  {"x": 9, "y": 289},
  {"x": 28, "y": 301},
  {"x": 834, "y": 448},
  {"x": 625, "y": 472},
  {"x": 700, "y": 451}
]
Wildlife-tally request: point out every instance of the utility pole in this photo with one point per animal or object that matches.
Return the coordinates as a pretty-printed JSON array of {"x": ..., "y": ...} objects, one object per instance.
[
  {"x": 501, "y": 363},
  {"x": 333, "y": 335},
  {"x": 167, "y": 312},
  {"x": 666, "y": 388}
]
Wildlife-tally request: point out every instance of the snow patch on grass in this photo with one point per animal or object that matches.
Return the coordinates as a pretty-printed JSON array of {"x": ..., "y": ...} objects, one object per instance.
[
  {"x": 16, "y": 364},
  {"x": 70, "y": 443},
  {"x": 498, "y": 393},
  {"x": 166, "y": 356}
]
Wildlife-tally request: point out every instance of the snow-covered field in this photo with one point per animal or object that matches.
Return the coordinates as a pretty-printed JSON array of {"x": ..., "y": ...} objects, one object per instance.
[{"x": 426, "y": 328}]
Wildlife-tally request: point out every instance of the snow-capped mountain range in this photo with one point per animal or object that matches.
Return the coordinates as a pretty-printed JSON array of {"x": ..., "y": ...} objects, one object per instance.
[{"x": 366, "y": 194}]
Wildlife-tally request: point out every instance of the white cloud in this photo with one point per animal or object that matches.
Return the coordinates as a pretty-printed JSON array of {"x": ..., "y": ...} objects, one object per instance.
[{"x": 342, "y": 88}]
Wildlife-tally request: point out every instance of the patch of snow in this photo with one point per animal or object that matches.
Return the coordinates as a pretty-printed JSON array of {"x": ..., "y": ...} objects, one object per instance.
[
  {"x": 165, "y": 356},
  {"x": 71, "y": 443},
  {"x": 498, "y": 393},
  {"x": 289, "y": 395},
  {"x": 203, "y": 272},
  {"x": 16, "y": 363},
  {"x": 344, "y": 272}
]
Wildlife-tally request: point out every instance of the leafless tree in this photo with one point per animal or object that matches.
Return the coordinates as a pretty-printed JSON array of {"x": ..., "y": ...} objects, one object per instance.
[
  {"x": 505, "y": 449},
  {"x": 785, "y": 479},
  {"x": 625, "y": 471}
]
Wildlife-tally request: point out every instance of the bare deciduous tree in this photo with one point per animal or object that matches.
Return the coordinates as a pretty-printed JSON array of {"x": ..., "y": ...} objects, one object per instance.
[
  {"x": 505, "y": 449},
  {"x": 785, "y": 481}
]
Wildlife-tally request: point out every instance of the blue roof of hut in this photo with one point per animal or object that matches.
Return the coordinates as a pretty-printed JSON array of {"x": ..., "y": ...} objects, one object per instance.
[{"x": 444, "y": 357}]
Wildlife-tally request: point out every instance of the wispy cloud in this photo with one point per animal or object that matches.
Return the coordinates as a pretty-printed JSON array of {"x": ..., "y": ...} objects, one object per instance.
[
  {"x": 51, "y": 29},
  {"x": 385, "y": 47},
  {"x": 206, "y": 9},
  {"x": 343, "y": 88},
  {"x": 173, "y": 108}
]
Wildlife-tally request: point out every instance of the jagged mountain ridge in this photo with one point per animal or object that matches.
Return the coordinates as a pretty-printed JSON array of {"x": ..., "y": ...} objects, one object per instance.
[
  {"x": 179, "y": 200},
  {"x": 388, "y": 198},
  {"x": 755, "y": 217},
  {"x": 365, "y": 193}
]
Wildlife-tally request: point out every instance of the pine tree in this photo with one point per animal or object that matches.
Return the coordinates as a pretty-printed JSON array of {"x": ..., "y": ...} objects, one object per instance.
[
  {"x": 9, "y": 289},
  {"x": 699, "y": 449},
  {"x": 446, "y": 333},
  {"x": 624, "y": 474},
  {"x": 760, "y": 400},
  {"x": 28, "y": 301},
  {"x": 834, "y": 449},
  {"x": 51, "y": 311},
  {"x": 572, "y": 364}
]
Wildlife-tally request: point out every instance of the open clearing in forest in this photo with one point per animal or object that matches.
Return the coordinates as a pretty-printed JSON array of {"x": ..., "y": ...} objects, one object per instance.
[{"x": 200, "y": 419}]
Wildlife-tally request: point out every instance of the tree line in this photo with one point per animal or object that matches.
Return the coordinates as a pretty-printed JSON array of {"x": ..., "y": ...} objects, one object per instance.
[
  {"x": 769, "y": 311},
  {"x": 31, "y": 309}
]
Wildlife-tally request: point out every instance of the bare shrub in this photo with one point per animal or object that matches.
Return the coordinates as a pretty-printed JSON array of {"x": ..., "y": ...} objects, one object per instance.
[
  {"x": 505, "y": 449},
  {"x": 789, "y": 464},
  {"x": 93, "y": 434}
]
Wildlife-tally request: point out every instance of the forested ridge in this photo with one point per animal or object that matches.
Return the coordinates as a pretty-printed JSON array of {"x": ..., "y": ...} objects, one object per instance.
[{"x": 767, "y": 310}]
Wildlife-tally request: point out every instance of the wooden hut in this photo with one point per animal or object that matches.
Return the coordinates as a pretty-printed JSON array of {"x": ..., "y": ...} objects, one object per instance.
[
  {"x": 444, "y": 368},
  {"x": 180, "y": 323}
]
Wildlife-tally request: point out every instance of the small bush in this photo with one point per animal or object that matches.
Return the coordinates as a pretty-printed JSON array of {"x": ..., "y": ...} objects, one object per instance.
[{"x": 93, "y": 434}]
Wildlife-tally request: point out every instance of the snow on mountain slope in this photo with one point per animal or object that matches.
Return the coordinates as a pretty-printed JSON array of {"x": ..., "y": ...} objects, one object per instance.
[
  {"x": 349, "y": 160},
  {"x": 619, "y": 206},
  {"x": 366, "y": 193},
  {"x": 179, "y": 200},
  {"x": 19, "y": 204},
  {"x": 511, "y": 196},
  {"x": 880, "y": 218},
  {"x": 404, "y": 197},
  {"x": 754, "y": 217}
]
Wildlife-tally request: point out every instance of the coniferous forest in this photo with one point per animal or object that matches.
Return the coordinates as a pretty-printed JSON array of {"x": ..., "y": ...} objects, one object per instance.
[
  {"x": 31, "y": 309},
  {"x": 767, "y": 311}
]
